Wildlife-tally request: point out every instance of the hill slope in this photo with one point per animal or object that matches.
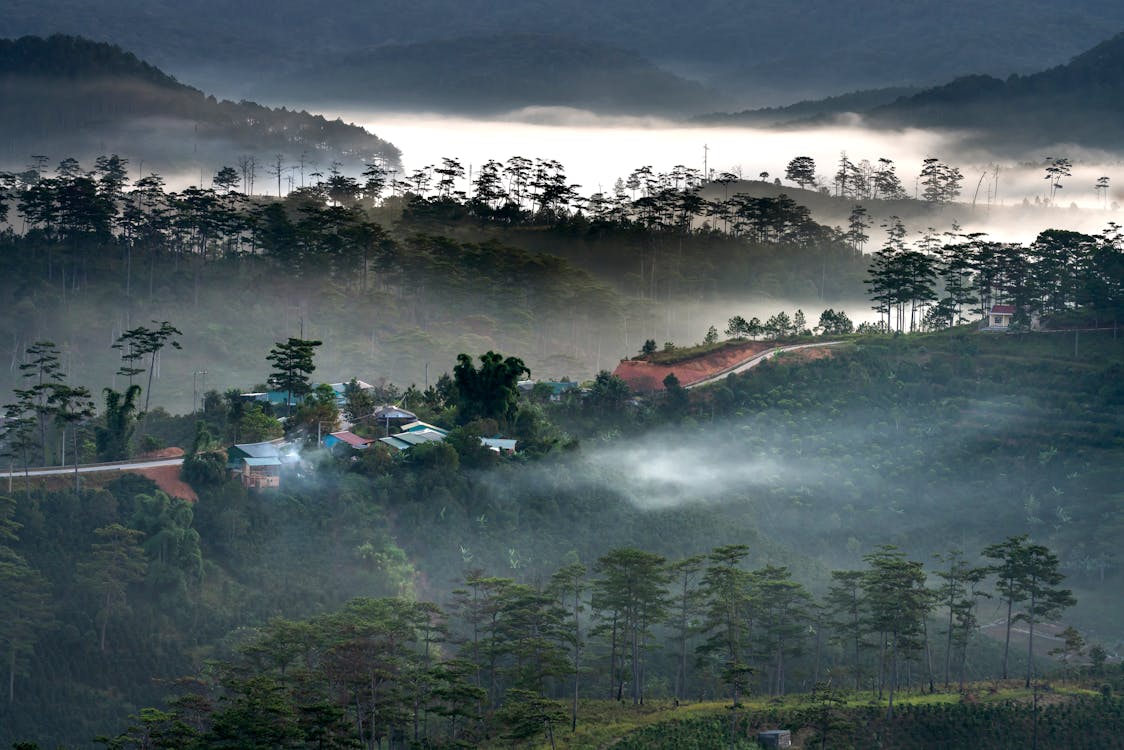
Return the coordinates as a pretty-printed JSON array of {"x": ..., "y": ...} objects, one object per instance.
[
  {"x": 75, "y": 97},
  {"x": 1080, "y": 102},
  {"x": 492, "y": 73},
  {"x": 768, "y": 52}
]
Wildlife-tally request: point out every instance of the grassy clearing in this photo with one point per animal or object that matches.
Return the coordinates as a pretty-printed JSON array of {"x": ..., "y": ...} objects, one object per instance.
[
  {"x": 604, "y": 724},
  {"x": 684, "y": 353}
]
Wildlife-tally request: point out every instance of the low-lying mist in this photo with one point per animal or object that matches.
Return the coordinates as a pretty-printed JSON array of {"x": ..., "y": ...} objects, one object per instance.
[
  {"x": 828, "y": 484},
  {"x": 596, "y": 150}
]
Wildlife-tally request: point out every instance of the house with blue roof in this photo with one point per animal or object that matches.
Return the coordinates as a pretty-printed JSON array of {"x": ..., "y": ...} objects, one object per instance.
[{"x": 258, "y": 465}]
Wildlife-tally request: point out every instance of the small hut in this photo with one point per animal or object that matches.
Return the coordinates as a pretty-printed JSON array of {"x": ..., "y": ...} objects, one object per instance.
[{"x": 780, "y": 738}]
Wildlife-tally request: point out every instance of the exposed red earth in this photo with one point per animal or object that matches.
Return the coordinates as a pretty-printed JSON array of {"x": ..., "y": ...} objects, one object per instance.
[{"x": 645, "y": 377}]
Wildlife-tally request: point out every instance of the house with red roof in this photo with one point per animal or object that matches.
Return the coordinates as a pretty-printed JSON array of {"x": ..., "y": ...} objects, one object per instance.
[
  {"x": 347, "y": 437},
  {"x": 998, "y": 318}
]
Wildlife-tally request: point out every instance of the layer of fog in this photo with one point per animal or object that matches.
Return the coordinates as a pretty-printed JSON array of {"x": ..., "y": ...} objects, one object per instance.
[
  {"x": 753, "y": 469},
  {"x": 597, "y": 150}
]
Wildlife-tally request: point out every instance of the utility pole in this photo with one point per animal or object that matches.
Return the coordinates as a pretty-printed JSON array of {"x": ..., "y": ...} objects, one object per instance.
[
  {"x": 194, "y": 390},
  {"x": 706, "y": 171}
]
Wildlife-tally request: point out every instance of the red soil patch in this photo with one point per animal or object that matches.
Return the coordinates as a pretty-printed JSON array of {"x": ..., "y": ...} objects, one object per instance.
[
  {"x": 168, "y": 479},
  {"x": 645, "y": 377}
]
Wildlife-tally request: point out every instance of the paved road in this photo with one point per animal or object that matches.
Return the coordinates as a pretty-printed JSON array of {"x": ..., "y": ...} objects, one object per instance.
[
  {"x": 757, "y": 359},
  {"x": 95, "y": 468}
]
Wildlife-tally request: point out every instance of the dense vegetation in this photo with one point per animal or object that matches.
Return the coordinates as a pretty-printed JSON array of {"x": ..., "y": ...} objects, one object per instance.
[
  {"x": 489, "y": 74},
  {"x": 70, "y": 95},
  {"x": 963, "y": 436},
  {"x": 393, "y": 270},
  {"x": 660, "y": 545},
  {"x": 1078, "y": 102}
]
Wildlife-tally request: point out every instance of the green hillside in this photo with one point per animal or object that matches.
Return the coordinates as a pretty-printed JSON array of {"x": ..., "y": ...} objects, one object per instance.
[
  {"x": 75, "y": 97},
  {"x": 490, "y": 74}
]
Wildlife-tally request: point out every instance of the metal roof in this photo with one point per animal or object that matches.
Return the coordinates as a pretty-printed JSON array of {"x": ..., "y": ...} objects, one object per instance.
[
  {"x": 393, "y": 412},
  {"x": 349, "y": 437},
  {"x": 258, "y": 450},
  {"x": 404, "y": 440},
  {"x": 395, "y": 443},
  {"x": 422, "y": 426},
  {"x": 500, "y": 444},
  {"x": 262, "y": 461}
]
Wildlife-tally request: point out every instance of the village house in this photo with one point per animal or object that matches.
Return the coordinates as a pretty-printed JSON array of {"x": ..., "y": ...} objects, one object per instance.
[
  {"x": 415, "y": 433},
  {"x": 1000, "y": 317},
  {"x": 346, "y": 437},
  {"x": 258, "y": 465}
]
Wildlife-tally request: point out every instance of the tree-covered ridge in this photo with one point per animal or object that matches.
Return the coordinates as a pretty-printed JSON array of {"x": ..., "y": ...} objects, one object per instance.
[
  {"x": 435, "y": 515},
  {"x": 1078, "y": 102},
  {"x": 70, "y": 57},
  {"x": 399, "y": 269},
  {"x": 1062, "y": 278},
  {"x": 772, "y": 52},
  {"x": 492, "y": 74},
  {"x": 84, "y": 97}
]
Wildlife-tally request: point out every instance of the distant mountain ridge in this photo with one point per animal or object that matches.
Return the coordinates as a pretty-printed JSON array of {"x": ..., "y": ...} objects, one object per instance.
[
  {"x": 72, "y": 97},
  {"x": 855, "y": 101},
  {"x": 1080, "y": 102},
  {"x": 486, "y": 74},
  {"x": 764, "y": 52}
]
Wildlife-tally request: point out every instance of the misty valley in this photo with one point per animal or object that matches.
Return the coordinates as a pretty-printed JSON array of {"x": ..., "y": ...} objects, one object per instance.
[{"x": 517, "y": 387}]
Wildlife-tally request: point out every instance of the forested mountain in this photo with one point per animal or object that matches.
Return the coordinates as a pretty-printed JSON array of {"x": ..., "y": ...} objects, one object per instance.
[
  {"x": 785, "y": 482},
  {"x": 771, "y": 53},
  {"x": 775, "y": 480},
  {"x": 68, "y": 95},
  {"x": 813, "y": 109},
  {"x": 1081, "y": 102},
  {"x": 1076, "y": 103},
  {"x": 489, "y": 74},
  {"x": 399, "y": 269}
]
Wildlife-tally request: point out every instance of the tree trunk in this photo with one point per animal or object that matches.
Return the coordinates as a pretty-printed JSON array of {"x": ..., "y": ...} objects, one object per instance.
[
  {"x": 613, "y": 661},
  {"x": 105, "y": 622},
  {"x": 577, "y": 664},
  {"x": 893, "y": 677},
  {"x": 1007, "y": 640},
  {"x": 1030, "y": 641},
  {"x": 948, "y": 647},
  {"x": 634, "y": 652},
  {"x": 928, "y": 655}
]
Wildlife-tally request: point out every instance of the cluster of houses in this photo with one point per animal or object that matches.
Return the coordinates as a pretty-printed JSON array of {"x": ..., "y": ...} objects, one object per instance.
[{"x": 260, "y": 465}]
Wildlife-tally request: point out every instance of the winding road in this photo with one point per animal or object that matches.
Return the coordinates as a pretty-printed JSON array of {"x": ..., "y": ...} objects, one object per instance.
[
  {"x": 757, "y": 359},
  {"x": 95, "y": 468}
]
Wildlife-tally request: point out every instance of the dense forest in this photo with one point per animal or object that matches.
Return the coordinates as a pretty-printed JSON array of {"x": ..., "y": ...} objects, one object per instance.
[
  {"x": 1074, "y": 103},
  {"x": 851, "y": 541},
  {"x": 250, "y": 595},
  {"x": 74, "y": 96},
  {"x": 306, "y": 446},
  {"x": 927, "y": 443},
  {"x": 1078, "y": 102},
  {"x": 493, "y": 74},
  {"x": 383, "y": 268}
]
